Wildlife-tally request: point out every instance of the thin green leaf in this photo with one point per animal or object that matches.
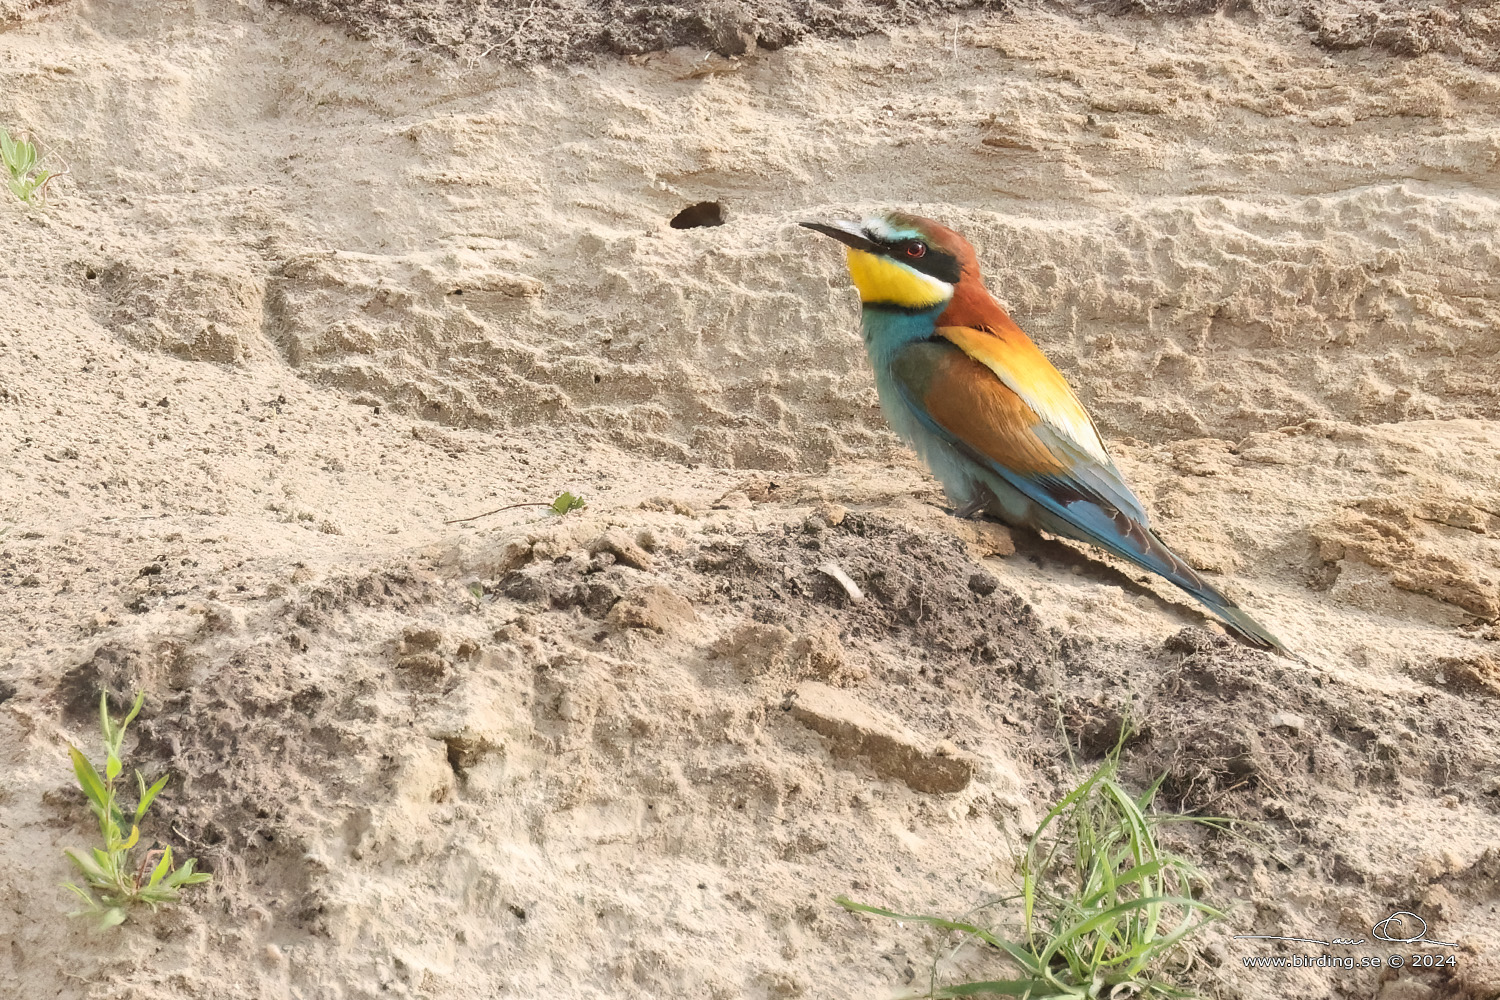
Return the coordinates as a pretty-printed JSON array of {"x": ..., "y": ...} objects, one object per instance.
[
  {"x": 1024, "y": 959},
  {"x": 184, "y": 875},
  {"x": 1113, "y": 913},
  {"x": 105, "y": 724},
  {"x": 88, "y": 865},
  {"x": 998, "y": 987},
  {"x": 91, "y": 905},
  {"x": 113, "y": 917},
  {"x": 140, "y": 699},
  {"x": 148, "y": 794},
  {"x": 162, "y": 867},
  {"x": 89, "y": 781}
]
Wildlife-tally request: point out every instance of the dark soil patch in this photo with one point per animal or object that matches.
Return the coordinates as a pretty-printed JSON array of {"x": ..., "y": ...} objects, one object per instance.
[
  {"x": 571, "y": 30},
  {"x": 1232, "y": 729},
  {"x": 561, "y": 30},
  {"x": 1467, "y": 29}
]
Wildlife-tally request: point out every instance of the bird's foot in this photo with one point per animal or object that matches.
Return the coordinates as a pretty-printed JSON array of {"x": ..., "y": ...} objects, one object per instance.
[{"x": 971, "y": 508}]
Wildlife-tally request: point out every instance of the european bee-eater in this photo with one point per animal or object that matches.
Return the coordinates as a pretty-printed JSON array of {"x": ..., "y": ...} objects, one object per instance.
[{"x": 986, "y": 411}]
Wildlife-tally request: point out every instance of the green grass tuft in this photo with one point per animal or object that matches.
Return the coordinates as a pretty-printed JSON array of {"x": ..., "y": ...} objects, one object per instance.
[
  {"x": 109, "y": 871},
  {"x": 25, "y": 175},
  {"x": 1103, "y": 904}
]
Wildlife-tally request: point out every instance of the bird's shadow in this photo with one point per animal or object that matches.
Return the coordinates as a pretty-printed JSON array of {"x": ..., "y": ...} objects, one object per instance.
[{"x": 1049, "y": 552}]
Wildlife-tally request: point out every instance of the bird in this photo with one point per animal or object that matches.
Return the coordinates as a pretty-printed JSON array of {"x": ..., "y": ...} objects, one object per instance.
[{"x": 987, "y": 412}]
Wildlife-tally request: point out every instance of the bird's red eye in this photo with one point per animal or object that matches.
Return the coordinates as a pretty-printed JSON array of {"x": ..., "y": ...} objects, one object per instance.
[{"x": 916, "y": 248}]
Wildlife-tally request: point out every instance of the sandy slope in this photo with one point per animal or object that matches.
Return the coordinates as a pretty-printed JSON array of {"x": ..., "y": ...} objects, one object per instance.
[{"x": 304, "y": 297}]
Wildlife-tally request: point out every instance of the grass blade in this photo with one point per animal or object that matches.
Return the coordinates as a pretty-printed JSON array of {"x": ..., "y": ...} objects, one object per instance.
[
  {"x": 148, "y": 794},
  {"x": 89, "y": 781},
  {"x": 88, "y": 866},
  {"x": 1025, "y": 960},
  {"x": 997, "y": 987},
  {"x": 162, "y": 867},
  {"x": 1096, "y": 889}
]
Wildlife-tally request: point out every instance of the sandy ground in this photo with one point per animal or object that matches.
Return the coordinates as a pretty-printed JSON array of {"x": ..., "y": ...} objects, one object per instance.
[{"x": 304, "y": 297}]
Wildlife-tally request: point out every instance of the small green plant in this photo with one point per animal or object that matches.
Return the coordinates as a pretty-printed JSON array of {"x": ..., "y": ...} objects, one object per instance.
[
  {"x": 109, "y": 871},
  {"x": 567, "y": 503},
  {"x": 1102, "y": 902},
  {"x": 25, "y": 175}
]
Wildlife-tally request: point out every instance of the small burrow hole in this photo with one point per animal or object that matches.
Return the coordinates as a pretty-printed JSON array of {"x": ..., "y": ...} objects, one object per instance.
[{"x": 704, "y": 213}]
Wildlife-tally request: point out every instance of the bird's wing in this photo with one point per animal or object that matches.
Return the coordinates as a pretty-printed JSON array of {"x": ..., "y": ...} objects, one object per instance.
[
  {"x": 1025, "y": 370},
  {"x": 1059, "y": 420},
  {"x": 964, "y": 402}
]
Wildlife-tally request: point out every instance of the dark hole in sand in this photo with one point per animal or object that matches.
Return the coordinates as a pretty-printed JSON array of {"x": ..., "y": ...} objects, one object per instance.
[{"x": 705, "y": 213}]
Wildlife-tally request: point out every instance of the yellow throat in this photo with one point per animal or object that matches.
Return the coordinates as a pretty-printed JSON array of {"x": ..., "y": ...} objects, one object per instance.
[{"x": 880, "y": 279}]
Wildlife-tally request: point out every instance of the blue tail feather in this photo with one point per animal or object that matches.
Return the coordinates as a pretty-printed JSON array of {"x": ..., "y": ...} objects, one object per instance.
[{"x": 1073, "y": 507}]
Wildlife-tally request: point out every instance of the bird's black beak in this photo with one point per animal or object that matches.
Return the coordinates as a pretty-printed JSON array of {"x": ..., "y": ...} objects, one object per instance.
[{"x": 847, "y": 233}]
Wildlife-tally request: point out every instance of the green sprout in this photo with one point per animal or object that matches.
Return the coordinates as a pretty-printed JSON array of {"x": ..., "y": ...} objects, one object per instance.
[
  {"x": 109, "y": 871},
  {"x": 567, "y": 503},
  {"x": 1103, "y": 902},
  {"x": 25, "y": 175}
]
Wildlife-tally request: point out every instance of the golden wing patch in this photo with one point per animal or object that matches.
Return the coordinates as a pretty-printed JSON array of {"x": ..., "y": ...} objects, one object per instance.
[
  {"x": 965, "y": 399},
  {"x": 1025, "y": 370}
]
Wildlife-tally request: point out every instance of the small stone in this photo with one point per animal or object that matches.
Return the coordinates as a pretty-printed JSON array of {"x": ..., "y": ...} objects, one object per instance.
[
  {"x": 655, "y": 607},
  {"x": 420, "y": 640},
  {"x": 623, "y": 549},
  {"x": 466, "y": 749},
  {"x": 820, "y": 655},
  {"x": 594, "y": 597},
  {"x": 669, "y": 505},
  {"x": 983, "y": 584},
  {"x": 501, "y": 558},
  {"x": 856, "y": 730},
  {"x": 757, "y": 650},
  {"x": 1289, "y": 721},
  {"x": 833, "y": 513},
  {"x": 733, "y": 500},
  {"x": 423, "y": 667}
]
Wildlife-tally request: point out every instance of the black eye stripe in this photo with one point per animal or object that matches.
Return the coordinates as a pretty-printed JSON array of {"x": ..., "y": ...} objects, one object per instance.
[{"x": 935, "y": 262}]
